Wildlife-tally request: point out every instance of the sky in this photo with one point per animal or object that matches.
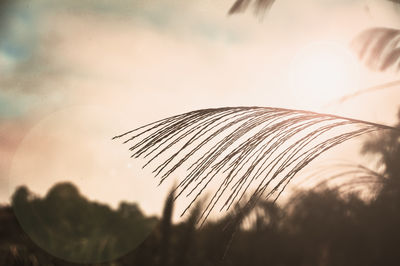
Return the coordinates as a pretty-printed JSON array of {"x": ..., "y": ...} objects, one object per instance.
[{"x": 73, "y": 74}]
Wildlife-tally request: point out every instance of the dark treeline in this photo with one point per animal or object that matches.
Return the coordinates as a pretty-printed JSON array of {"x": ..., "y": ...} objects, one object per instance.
[{"x": 319, "y": 227}]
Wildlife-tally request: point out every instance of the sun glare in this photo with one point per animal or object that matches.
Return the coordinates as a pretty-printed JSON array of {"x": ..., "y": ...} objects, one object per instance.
[{"x": 322, "y": 72}]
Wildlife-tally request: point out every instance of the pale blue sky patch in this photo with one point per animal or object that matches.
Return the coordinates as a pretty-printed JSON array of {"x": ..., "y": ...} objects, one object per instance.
[
  {"x": 18, "y": 36},
  {"x": 172, "y": 17},
  {"x": 7, "y": 62},
  {"x": 12, "y": 106}
]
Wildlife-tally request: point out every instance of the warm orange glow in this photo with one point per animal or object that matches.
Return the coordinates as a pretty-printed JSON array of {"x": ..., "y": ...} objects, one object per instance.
[{"x": 322, "y": 72}]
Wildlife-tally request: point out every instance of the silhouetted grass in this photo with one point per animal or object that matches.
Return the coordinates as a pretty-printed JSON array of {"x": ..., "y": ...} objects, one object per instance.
[
  {"x": 239, "y": 149},
  {"x": 379, "y": 47}
]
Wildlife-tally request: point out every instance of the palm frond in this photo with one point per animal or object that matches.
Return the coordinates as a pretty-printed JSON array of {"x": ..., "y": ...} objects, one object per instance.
[
  {"x": 237, "y": 150},
  {"x": 379, "y": 48},
  {"x": 384, "y": 86},
  {"x": 346, "y": 178},
  {"x": 260, "y": 6}
]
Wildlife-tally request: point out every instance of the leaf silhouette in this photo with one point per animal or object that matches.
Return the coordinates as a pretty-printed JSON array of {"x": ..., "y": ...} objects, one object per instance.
[
  {"x": 237, "y": 150},
  {"x": 383, "y": 86},
  {"x": 260, "y": 6},
  {"x": 379, "y": 48},
  {"x": 345, "y": 177}
]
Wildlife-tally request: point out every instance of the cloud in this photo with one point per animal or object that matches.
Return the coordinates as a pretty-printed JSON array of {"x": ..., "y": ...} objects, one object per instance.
[
  {"x": 17, "y": 33},
  {"x": 182, "y": 17},
  {"x": 32, "y": 63},
  {"x": 147, "y": 60}
]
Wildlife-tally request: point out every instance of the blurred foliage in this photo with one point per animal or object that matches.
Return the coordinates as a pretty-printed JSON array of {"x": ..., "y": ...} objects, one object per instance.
[
  {"x": 379, "y": 48},
  {"x": 320, "y": 227},
  {"x": 69, "y": 226},
  {"x": 259, "y": 6}
]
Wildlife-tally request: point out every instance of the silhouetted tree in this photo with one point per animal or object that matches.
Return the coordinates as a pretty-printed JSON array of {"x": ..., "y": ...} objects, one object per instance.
[{"x": 69, "y": 226}]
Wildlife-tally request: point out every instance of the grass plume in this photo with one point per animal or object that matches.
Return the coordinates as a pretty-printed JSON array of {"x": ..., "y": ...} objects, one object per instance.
[{"x": 239, "y": 150}]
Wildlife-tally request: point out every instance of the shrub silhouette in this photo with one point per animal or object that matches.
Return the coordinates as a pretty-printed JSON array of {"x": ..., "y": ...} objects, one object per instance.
[{"x": 71, "y": 227}]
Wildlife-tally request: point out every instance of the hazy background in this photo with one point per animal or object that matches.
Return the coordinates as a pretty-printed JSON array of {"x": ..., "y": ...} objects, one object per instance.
[{"x": 75, "y": 73}]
